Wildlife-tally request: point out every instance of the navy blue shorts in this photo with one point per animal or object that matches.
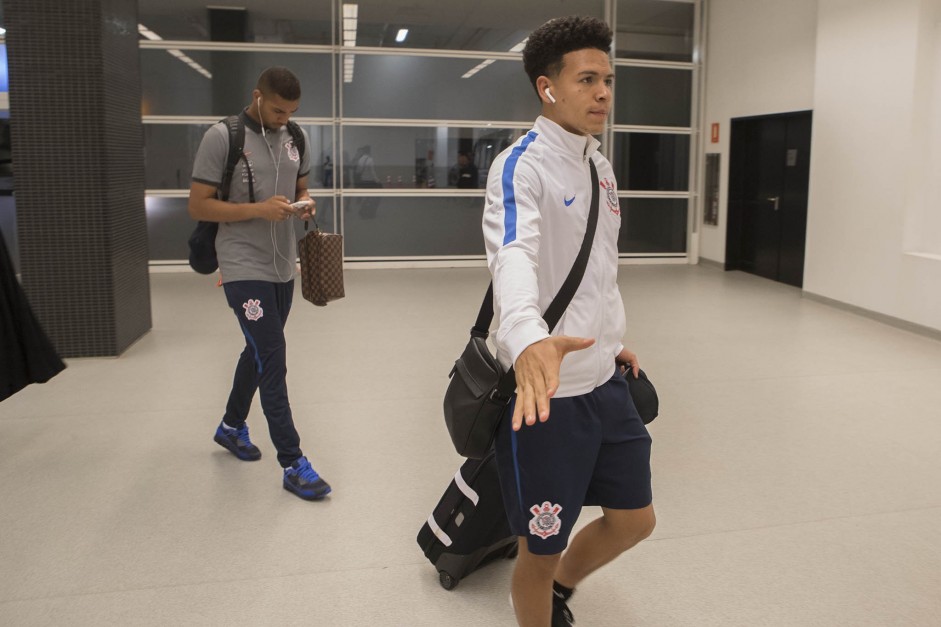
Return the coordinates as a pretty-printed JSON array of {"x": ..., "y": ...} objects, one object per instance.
[{"x": 593, "y": 450}]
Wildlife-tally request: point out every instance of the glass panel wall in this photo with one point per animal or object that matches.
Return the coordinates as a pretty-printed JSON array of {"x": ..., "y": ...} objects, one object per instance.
[
  {"x": 489, "y": 25},
  {"x": 650, "y": 141},
  {"x": 395, "y": 124},
  {"x": 646, "y": 96},
  {"x": 412, "y": 227},
  {"x": 653, "y": 225},
  {"x": 171, "y": 86},
  {"x": 169, "y": 225},
  {"x": 422, "y": 157},
  {"x": 651, "y": 161},
  {"x": 652, "y": 29},
  {"x": 254, "y": 21},
  {"x": 169, "y": 153},
  {"x": 170, "y": 150},
  {"x": 320, "y": 150},
  {"x": 413, "y": 87}
]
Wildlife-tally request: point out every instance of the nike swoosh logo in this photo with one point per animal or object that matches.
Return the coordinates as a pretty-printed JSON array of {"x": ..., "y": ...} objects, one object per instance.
[{"x": 568, "y": 201}]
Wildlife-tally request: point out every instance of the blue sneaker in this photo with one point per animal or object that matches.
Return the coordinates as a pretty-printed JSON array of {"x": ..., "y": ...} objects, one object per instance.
[
  {"x": 304, "y": 481},
  {"x": 238, "y": 443}
]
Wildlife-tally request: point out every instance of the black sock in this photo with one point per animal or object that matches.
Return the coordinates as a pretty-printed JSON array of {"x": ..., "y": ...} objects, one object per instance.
[{"x": 562, "y": 591}]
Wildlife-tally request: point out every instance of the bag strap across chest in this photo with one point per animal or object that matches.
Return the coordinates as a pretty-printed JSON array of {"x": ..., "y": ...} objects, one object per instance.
[{"x": 562, "y": 299}]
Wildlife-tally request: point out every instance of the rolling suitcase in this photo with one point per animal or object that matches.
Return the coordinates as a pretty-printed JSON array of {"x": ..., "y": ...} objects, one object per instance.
[{"x": 468, "y": 528}]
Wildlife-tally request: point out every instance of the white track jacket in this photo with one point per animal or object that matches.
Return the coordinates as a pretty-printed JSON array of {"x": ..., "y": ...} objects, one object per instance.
[{"x": 535, "y": 217}]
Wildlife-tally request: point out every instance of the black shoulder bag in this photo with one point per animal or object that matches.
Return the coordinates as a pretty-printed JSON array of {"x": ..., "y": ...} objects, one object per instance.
[{"x": 480, "y": 390}]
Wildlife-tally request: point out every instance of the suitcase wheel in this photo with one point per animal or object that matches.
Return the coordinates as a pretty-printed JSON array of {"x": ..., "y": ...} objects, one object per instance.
[{"x": 447, "y": 581}]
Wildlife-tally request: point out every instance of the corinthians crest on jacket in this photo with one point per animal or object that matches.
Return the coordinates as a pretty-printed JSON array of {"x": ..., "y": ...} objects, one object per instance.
[{"x": 611, "y": 196}]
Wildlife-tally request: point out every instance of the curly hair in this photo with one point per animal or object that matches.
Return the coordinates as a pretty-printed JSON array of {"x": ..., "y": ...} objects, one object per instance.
[
  {"x": 280, "y": 81},
  {"x": 546, "y": 46}
]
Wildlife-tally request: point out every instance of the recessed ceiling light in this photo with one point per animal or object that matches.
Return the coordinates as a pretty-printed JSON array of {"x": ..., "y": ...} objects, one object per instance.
[
  {"x": 179, "y": 54},
  {"x": 517, "y": 48},
  {"x": 402, "y": 34}
]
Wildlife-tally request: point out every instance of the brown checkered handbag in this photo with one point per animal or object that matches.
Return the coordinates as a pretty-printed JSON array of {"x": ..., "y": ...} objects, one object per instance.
[{"x": 321, "y": 256}]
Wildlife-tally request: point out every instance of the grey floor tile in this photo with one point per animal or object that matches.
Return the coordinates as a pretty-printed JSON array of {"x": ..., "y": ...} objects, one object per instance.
[{"x": 796, "y": 474}]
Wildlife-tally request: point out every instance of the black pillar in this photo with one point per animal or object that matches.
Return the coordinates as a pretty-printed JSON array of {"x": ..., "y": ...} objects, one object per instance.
[{"x": 78, "y": 161}]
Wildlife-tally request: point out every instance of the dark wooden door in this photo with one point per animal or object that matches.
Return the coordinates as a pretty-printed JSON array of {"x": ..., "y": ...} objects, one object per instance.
[{"x": 769, "y": 176}]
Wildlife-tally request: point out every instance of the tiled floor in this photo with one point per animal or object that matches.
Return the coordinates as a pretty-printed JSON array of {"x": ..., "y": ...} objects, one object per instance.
[{"x": 797, "y": 474}]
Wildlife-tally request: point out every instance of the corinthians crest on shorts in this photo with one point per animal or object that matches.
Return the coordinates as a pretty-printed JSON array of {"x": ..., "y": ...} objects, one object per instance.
[{"x": 545, "y": 520}]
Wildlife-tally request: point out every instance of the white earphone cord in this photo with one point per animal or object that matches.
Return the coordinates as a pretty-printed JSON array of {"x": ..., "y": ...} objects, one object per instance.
[{"x": 275, "y": 250}]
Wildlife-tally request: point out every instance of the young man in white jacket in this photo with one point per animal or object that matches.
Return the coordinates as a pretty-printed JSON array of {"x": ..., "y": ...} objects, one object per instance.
[{"x": 594, "y": 448}]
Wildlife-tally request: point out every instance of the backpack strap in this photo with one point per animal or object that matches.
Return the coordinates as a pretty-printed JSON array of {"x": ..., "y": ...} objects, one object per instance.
[
  {"x": 236, "y": 127},
  {"x": 298, "y": 136}
]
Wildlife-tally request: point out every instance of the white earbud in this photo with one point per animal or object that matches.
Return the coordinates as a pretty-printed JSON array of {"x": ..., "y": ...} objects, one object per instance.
[
  {"x": 549, "y": 95},
  {"x": 260, "y": 119}
]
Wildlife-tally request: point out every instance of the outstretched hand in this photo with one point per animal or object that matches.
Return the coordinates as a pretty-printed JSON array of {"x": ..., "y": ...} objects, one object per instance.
[{"x": 537, "y": 376}]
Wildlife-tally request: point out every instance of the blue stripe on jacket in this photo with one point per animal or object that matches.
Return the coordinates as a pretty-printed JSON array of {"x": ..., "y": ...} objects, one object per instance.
[{"x": 509, "y": 192}]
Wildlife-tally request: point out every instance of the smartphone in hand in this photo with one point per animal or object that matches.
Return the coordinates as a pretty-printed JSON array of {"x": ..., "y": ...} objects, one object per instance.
[{"x": 301, "y": 206}]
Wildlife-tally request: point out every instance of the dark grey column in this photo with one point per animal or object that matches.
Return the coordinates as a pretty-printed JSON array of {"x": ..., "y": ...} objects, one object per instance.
[{"x": 78, "y": 164}]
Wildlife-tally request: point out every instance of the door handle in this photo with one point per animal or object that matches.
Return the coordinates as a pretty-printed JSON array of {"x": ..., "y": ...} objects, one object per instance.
[{"x": 776, "y": 200}]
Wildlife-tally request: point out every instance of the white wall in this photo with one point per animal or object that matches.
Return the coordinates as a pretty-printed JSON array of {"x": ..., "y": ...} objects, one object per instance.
[
  {"x": 923, "y": 226},
  {"x": 871, "y": 72},
  {"x": 760, "y": 60},
  {"x": 871, "y": 115}
]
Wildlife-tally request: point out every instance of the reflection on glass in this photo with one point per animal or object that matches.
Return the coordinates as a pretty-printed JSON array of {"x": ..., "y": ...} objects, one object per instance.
[
  {"x": 170, "y": 87},
  {"x": 168, "y": 228},
  {"x": 421, "y": 157},
  {"x": 395, "y": 86},
  {"x": 653, "y": 225},
  {"x": 267, "y": 22},
  {"x": 170, "y": 149},
  {"x": 653, "y": 96},
  {"x": 169, "y": 152},
  {"x": 654, "y": 29},
  {"x": 460, "y": 26},
  {"x": 651, "y": 161},
  {"x": 320, "y": 150},
  {"x": 326, "y": 217},
  {"x": 429, "y": 23},
  {"x": 412, "y": 227},
  {"x": 169, "y": 225}
]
